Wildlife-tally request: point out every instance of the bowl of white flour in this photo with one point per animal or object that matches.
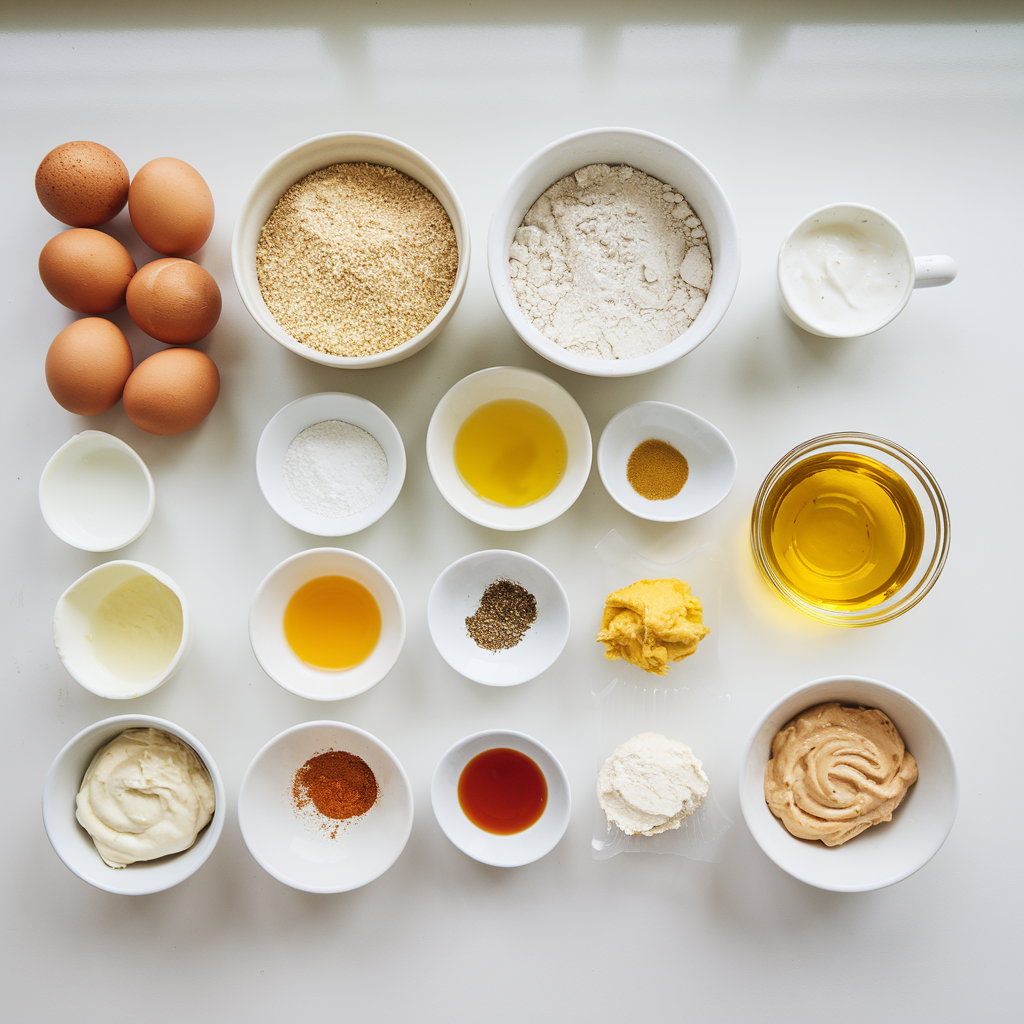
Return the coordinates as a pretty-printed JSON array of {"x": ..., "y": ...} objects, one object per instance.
[{"x": 613, "y": 252}]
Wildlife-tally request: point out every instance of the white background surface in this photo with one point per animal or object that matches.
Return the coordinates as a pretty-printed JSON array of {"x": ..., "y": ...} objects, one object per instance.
[{"x": 916, "y": 114}]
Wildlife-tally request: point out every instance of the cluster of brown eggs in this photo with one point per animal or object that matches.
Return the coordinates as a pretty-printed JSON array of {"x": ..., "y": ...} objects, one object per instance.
[{"x": 89, "y": 365}]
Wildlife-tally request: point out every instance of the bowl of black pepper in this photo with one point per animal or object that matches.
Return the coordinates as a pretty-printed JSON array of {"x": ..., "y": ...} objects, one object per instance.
[{"x": 498, "y": 617}]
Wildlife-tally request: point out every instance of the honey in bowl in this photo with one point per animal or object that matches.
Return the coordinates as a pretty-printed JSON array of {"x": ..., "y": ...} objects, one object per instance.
[
  {"x": 842, "y": 530},
  {"x": 511, "y": 452},
  {"x": 502, "y": 791},
  {"x": 332, "y": 623}
]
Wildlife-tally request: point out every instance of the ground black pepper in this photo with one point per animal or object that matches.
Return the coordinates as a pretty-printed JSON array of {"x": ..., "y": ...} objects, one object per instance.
[{"x": 506, "y": 612}]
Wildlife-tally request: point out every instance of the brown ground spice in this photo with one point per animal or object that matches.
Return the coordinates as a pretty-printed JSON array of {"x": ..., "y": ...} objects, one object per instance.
[
  {"x": 656, "y": 470},
  {"x": 338, "y": 784}
]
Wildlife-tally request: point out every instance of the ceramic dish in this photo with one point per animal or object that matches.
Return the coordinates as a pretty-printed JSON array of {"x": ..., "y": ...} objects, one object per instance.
[
  {"x": 710, "y": 458},
  {"x": 96, "y": 493},
  {"x": 293, "y": 419},
  {"x": 456, "y": 595},
  {"x": 74, "y": 845},
  {"x": 489, "y": 385},
  {"x": 292, "y": 165},
  {"x": 885, "y": 853},
  {"x": 304, "y": 849}
]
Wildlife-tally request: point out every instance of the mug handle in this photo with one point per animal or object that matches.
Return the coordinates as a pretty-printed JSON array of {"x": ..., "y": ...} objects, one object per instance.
[{"x": 931, "y": 271}]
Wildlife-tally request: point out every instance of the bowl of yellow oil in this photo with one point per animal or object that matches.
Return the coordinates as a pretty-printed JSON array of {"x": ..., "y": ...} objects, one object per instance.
[
  {"x": 509, "y": 448},
  {"x": 850, "y": 529}
]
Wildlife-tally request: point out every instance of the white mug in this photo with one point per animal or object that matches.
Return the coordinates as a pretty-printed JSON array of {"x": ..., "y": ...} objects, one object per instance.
[{"x": 846, "y": 270}]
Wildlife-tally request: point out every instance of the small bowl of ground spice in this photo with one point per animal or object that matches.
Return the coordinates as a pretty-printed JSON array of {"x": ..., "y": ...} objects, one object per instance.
[
  {"x": 351, "y": 250},
  {"x": 664, "y": 463},
  {"x": 325, "y": 807},
  {"x": 498, "y": 617}
]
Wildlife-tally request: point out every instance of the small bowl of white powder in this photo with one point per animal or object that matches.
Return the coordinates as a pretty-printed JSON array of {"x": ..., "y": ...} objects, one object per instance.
[{"x": 330, "y": 464}]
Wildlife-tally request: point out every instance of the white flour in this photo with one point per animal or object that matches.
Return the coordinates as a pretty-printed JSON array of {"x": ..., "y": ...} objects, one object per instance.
[
  {"x": 610, "y": 263},
  {"x": 335, "y": 469}
]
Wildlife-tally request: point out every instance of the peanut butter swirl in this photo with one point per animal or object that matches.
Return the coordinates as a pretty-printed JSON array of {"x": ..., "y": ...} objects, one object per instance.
[{"x": 837, "y": 770}]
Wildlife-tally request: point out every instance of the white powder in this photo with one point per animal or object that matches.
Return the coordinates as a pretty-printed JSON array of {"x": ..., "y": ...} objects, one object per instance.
[
  {"x": 610, "y": 263},
  {"x": 335, "y": 469}
]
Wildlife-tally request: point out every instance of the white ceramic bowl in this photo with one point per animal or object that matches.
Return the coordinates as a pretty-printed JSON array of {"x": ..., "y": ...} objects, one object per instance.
[
  {"x": 266, "y": 625},
  {"x": 885, "y": 853},
  {"x": 296, "y": 417},
  {"x": 293, "y": 846},
  {"x": 456, "y": 595},
  {"x": 73, "y": 628},
  {"x": 74, "y": 845},
  {"x": 96, "y": 493},
  {"x": 292, "y": 165},
  {"x": 657, "y": 157},
  {"x": 501, "y": 851},
  {"x": 489, "y": 385},
  {"x": 709, "y": 456}
]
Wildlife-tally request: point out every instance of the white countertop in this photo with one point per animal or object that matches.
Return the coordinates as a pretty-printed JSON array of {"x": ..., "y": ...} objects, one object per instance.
[{"x": 789, "y": 110}]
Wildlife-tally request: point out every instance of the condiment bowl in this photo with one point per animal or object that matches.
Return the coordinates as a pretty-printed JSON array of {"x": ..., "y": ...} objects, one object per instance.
[
  {"x": 456, "y": 595},
  {"x": 489, "y": 385},
  {"x": 885, "y": 853},
  {"x": 710, "y": 459},
  {"x": 294, "y": 164},
  {"x": 266, "y": 625},
  {"x": 74, "y": 631},
  {"x": 296, "y": 417},
  {"x": 74, "y": 845},
  {"x": 657, "y": 157},
  {"x": 304, "y": 849},
  {"x": 96, "y": 493},
  {"x": 502, "y": 851}
]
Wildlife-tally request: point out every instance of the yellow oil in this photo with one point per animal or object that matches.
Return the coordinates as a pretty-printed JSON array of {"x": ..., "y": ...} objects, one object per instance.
[
  {"x": 332, "y": 622},
  {"x": 844, "y": 531},
  {"x": 511, "y": 452}
]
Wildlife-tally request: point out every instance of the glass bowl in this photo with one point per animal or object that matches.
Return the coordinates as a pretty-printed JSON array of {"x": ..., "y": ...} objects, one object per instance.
[{"x": 891, "y": 472}]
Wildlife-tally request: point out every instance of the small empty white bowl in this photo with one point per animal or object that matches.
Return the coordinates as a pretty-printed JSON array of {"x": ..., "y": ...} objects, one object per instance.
[
  {"x": 74, "y": 845},
  {"x": 502, "y": 851},
  {"x": 283, "y": 665},
  {"x": 489, "y": 385},
  {"x": 709, "y": 456},
  {"x": 456, "y": 595},
  {"x": 96, "y": 493},
  {"x": 296, "y": 417},
  {"x": 303, "y": 854},
  {"x": 883, "y": 854},
  {"x": 101, "y": 666}
]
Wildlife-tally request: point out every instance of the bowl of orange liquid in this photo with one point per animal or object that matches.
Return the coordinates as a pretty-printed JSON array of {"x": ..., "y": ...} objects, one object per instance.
[{"x": 327, "y": 624}]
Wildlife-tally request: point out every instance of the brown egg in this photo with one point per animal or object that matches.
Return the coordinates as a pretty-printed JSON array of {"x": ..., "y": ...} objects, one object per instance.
[
  {"x": 171, "y": 206},
  {"x": 173, "y": 300},
  {"x": 172, "y": 391},
  {"x": 82, "y": 184},
  {"x": 87, "y": 366},
  {"x": 86, "y": 270}
]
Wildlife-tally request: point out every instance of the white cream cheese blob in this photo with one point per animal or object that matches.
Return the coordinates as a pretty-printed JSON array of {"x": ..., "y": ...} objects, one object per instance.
[{"x": 145, "y": 795}]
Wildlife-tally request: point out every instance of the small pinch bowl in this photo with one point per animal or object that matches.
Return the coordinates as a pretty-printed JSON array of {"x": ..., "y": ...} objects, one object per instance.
[
  {"x": 456, "y": 595},
  {"x": 500, "y": 851},
  {"x": 74, "y": 845},
  {"x": 279, "y": 661},
  {"x": 294, "y": 164},
  {"x": 95, "y": 493},
  {"x": 296, "y": 417},
  {"x": 883, "y": 854},
  {"x": 656, "y": 156},
  {"x": 491, "y": 384},
  {"x": 284, "y": 843},
  {"x": 710, "y": 457}
]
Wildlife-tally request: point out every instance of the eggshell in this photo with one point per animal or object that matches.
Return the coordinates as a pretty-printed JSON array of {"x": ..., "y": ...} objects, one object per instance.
[
  {"x": 86, "y": 270},
  {"x": 171, "y": 206},
  {"x": 82, "y": 184},
  {"x": 174, "y": 300},
  {"x": 172, "y": 391},
  {"x": 87, "y": 366}
]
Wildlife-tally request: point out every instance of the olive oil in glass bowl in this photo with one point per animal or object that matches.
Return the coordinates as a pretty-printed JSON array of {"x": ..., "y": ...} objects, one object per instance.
[{"x": 850, "y": 529}]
